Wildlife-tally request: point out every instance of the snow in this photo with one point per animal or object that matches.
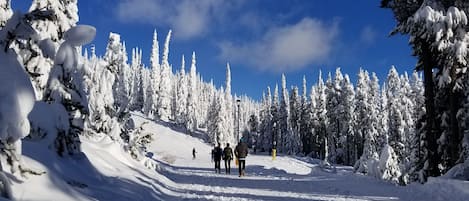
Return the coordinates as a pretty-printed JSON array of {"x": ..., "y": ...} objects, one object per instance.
[
  {"x": 105, "y": 172},
  {"x": 80, "y": 35},
  {"x": 16, "y": 98}
]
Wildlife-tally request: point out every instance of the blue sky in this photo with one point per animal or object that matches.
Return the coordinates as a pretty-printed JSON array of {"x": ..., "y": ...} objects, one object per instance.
[{"x": 261, "y": 39}]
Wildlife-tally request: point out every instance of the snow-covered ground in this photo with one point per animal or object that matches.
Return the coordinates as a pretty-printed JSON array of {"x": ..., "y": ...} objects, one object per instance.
[{"x": 106, "y": 172}]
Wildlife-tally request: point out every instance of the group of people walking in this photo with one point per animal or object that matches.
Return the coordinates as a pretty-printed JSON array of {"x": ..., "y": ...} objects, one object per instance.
[{"x": 240, "y": 152}]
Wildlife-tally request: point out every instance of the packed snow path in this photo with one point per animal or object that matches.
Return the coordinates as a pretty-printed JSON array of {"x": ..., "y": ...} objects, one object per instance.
[{"x": 285, "y": 178}]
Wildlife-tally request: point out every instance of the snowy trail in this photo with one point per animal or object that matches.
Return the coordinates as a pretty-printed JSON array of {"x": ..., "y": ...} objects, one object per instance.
[{"x": 285, "y": 178}]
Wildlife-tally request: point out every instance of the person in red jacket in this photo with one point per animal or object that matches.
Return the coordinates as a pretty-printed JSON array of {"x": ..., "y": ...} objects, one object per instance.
[{"x": 241, "y": 151}]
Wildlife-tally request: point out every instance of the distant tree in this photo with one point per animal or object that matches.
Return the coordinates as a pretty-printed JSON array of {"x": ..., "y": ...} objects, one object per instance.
[
  {"x": 164, "y": 105},
  {"x": 191, "y": 123},
  {"x": 285, "y": 130},
  {"x": 322, "y": 123},
  {"x": 229, "y": 116},
  {"x": 181, "y": 96},
  {"x": 366, "y": 122},
  {"x": 396, "y": 120},
  {"x": 266, "y": 133},
  {"x": 155, "y": 77},
  {"x": 294, "y": 140},
  {"x": 352, "y": 143}
]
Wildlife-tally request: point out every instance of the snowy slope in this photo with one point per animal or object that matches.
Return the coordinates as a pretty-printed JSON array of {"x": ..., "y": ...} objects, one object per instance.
[{"x": 105, "y": 172}]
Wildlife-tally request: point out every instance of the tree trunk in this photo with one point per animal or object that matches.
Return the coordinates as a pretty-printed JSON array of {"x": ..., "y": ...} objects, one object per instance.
[
  {"x": 454, "y": 127},
  {"x": 431, "y": 135}
]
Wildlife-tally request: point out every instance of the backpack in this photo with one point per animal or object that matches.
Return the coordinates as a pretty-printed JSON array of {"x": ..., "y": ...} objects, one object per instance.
[{"x": 227, "y": 153}]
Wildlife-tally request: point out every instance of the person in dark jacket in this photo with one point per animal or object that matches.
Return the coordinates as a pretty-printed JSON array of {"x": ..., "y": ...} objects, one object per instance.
[
  {"x": 228, "y": 157},
  {"x": 217, "y": 154},
  {"x": 241, "y": 151},
  {"x": 193, "y": 153}
]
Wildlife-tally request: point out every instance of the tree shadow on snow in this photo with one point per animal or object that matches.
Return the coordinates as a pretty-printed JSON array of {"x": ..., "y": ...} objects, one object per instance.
[{"x": 76, "y": 176}]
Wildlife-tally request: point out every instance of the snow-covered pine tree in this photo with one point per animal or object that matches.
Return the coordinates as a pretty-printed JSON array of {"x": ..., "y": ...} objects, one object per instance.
[
  {"x": 438, "y": 33},
  {"x": 375, "y": 103},
  {"x": 322, "y": 124},
  {"x": 389, "y": 165},
  {"x": 136, "y": 103},
  {"x": 102, "y": 114},
  {"x": 266, "y": 136},
  {"x": 5, "y": 12},
  {"x": 366, "y": 123},
  {"x": 230, "y": 112},
  {"x": 275, "y": 123},
  {"x": 407, "y": 111},
  {"x": 216, "y": 123},
  {"x": 116, "y": 59},
  {"x": 155, "y": 77},
  {"x": 146, "y": 89},
  {"x": 181, "y": 98},
  {"x": 17, "y": 100},
  {"x": 306, "y": 120},
  {"x": 65, "y": 17},
  {"x": 164, "y": 104},
  {"x": 415, "y": 142},
  {"x": 294, "y": 140},
  {"x": 191, "y": 122},
  {"x": 352, "y": 143},
  {"x": 253, "y": 130},
  {"x": 333, "y": 90},
  {"x": 66, "y": 90},
  {"x": 396, "y": 121},
  {"x": 285, "y": 130}
]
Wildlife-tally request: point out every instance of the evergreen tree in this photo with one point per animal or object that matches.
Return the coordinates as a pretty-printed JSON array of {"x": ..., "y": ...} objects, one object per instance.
[
  {"x": 396, "y": 120},
  {"x": 137, "y": 99},
  {"x": 253, "y": 136},
  {"x": 37, "y": 64},
  {"x": 306, "y": 120},
  {"x": 102, "y": 115},
  {"x": 164, "y": 105},
  {"x": 333, "y": 90},
  {"x": 155, "y": 78},
  {"x": 192, "y": 95},
  {"x": 266, "y": 132},
  {"x": 66, "y": 93},
  {"x": 275, "y": 123},
  {"x": 415, "y": 141},
  {"x": 295, "y": 114},
  {"x": 352, "y": 143},
  {"x": 181, "y": 97},
  {"x": 216, "y": 123},
  {"x": 116, "y": 59},
  {"x": 322, "y": 119},
  {"x": 229, "y": 120},
  {"x": 366, "y": 122},
  {"x": 285, "y": 130}
]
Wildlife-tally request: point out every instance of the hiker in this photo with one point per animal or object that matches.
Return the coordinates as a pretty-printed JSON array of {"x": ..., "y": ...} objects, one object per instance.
[
  {"x": 228, "y": 157},
  {"x": 241, "y": 151},
  {"x": 193, "y": 153},
  {"x": 217, "y": 154}
]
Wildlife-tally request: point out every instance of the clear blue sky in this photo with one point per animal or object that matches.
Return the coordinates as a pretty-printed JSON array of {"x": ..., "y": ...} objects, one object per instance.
[{"x": 261, "y": 39}]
